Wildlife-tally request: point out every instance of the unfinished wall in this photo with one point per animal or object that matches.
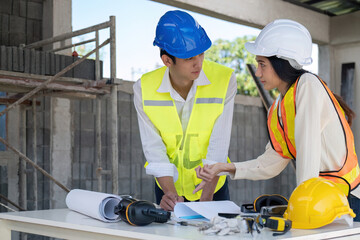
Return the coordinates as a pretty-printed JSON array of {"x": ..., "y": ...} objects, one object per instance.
[{"x": 20, "y": 21}]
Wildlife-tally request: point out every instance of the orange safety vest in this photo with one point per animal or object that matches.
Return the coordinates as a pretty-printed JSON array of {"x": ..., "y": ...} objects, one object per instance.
[{"x": 282, "y": 136}]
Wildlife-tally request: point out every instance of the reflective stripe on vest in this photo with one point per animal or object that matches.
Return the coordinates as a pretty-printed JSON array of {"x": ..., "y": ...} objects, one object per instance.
[
  {"x": 282, "y": 136},
  {"x": 186, "y": 152}
]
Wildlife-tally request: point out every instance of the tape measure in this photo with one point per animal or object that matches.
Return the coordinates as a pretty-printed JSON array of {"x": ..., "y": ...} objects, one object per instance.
[{"x": 277, "y": 224}]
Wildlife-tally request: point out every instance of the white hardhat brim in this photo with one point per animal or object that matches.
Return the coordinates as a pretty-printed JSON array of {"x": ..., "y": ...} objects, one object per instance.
[{"x": 252, "y": 48}]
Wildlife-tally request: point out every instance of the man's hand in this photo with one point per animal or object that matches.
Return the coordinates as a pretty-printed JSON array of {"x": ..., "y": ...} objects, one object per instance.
[{"x": 169, "y": 200}]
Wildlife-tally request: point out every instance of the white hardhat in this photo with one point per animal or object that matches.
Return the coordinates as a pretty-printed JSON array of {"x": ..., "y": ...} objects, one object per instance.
[{"x": 285, "y": 39}]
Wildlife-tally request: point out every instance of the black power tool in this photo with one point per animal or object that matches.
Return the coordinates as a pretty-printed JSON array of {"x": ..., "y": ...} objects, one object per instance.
[{"x": 140, "y": 213}]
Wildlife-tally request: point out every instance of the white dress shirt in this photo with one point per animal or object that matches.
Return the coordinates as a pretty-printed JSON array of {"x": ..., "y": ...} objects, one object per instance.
[
  {"x": 319, "y": 139},
  {"x": 153, "y": 146}
]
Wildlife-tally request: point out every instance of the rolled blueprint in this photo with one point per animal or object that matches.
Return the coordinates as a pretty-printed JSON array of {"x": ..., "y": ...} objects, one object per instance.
[{"x": 93, "y": 204}]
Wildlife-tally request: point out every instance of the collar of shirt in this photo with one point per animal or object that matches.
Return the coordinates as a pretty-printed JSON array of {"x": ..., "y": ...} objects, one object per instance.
[{"x": 166, "y": 86}]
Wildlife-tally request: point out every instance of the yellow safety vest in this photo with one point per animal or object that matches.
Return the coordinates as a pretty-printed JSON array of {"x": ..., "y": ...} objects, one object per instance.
[
  {"x": 282, "y": 137},
  {"x": 186, "y": 152}
]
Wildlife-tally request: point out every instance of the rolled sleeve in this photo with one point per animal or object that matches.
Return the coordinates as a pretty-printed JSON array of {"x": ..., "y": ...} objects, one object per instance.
[
  {"x": 266, "y": 166},
  {"x": 167, "y": 169}
]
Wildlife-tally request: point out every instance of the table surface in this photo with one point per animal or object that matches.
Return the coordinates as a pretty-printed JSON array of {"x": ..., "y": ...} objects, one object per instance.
[{"x": 66, "y": 219}]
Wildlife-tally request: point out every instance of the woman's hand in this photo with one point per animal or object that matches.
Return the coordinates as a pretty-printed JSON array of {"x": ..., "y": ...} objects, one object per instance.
[{"x": 209, "y": 172}]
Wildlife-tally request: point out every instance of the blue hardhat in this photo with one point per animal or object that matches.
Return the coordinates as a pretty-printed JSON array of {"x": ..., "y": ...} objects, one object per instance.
[{"x": 179, "y": 34}]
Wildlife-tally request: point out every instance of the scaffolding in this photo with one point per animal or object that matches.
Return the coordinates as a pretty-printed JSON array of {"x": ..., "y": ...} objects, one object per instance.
[{"x": 34, "y": 86}]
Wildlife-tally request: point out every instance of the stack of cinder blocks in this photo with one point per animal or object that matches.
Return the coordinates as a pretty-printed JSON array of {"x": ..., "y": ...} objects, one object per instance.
[{"x": 18, "y": 59}]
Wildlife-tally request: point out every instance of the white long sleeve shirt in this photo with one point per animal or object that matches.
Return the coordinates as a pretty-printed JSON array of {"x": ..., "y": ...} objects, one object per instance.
[
  {"x": 153, "y": 146},
  {"x": 319, "y": 139}
]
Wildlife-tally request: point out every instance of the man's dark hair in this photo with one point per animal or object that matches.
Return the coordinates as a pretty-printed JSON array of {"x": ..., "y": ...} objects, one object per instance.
[{"x": 162, "y": 52}]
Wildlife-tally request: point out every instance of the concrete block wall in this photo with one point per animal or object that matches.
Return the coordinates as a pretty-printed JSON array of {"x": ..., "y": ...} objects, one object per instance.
[{"x": 20, "y": 21}]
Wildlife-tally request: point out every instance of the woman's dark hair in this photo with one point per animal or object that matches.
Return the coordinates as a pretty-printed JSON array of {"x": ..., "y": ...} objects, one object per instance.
[
  {"x": 289, "y": 74},
  {"x": 285, "y": 71},
  {"x": 162, "y": 52}
]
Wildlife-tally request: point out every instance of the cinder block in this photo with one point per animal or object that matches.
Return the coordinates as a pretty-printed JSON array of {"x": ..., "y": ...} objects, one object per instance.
[
  {"x": 17, "y": 24},
  {"x": 37, "y": 30},
  {"x": 6, "y": 7},
  {"x": 15, "y": 63},
  {"x": 16, "y": 7},
  {"x": 29, "y": 31},
  {"x": 52, "y": 64},
  {"x": 4, "y": 29},
  {"x": 57, "y": 63},
  {"x": 62, "y": 62},
  {"x": 68, "y": 61},
  {"x": 35, "y": 10},
  {"x": 87, "y": 139},
  {"x": 86, "y": 106},
  {"x": 85, "y": 70},
  {"x": 27, "y": 60},
  {"x": 9, "y": 58},
  {"x": 32, "y": 61},
  {"x": 43, "y": 63},
  {"x": 22, "y": 10},
  {"x": 15, "y": 39},
  {"x": 47, "y": 63},
  {"x": 38, "y": 62},
  {"x": 124, "y": 108},
  {"x": 3, "y": 58},
  {"x": 87, "y": 121}
]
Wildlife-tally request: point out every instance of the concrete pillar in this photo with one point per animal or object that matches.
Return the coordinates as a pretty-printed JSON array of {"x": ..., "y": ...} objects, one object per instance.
[
  {"x": 13, "y": 163},
  {"x": 61, "y": 149},
  {"x": 57, "y": 20},
  {"x": 325, "y": 64}
]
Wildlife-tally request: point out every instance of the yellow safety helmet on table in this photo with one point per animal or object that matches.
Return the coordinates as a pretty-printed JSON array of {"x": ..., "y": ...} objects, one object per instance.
[{"x": 317, "y": 202}]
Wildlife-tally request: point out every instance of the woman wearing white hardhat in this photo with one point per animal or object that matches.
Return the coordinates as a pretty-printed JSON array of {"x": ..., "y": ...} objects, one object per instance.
[{"x": 307, "y": 122}]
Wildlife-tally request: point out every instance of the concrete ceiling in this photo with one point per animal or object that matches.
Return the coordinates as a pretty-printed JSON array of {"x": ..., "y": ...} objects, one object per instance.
[
  {"x": 331, "y": 8},
  {"x": 257, "y": 13}
]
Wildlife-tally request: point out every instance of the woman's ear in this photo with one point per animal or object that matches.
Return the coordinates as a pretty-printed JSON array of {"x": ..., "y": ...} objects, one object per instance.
[{"x": 167, "y": 60}]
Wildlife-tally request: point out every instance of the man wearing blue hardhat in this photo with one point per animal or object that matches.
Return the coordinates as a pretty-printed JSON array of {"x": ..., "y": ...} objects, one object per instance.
[{"x": 185, "y": 113}]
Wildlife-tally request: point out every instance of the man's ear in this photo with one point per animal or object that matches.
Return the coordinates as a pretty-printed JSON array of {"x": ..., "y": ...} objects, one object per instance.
[{"x": 167, "y": 60}]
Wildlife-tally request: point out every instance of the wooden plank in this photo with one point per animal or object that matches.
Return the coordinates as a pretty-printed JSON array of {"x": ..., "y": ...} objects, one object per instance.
[{"x": 52, "y": 86}]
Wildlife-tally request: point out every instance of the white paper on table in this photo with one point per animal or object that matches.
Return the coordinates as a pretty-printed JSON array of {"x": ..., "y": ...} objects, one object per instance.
[
  {"x": 93, "y": 204},
  {"x": 208, "y": 210}
]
